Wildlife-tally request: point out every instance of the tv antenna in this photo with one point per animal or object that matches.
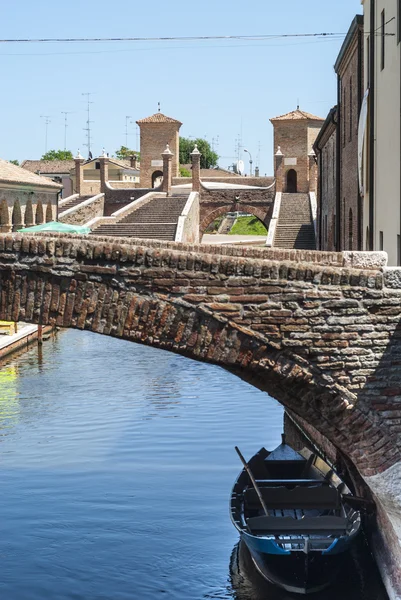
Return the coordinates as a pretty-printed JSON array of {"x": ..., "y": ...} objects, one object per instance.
[
  {"x": 65, "y": 113},
  {"x": 88, "y": 123},
  {"x": 127, "y": 120},
  {"x": 47, "y": 121},
  {"x": 215, "y": 143},
  {"x": 258, "y": 154}
]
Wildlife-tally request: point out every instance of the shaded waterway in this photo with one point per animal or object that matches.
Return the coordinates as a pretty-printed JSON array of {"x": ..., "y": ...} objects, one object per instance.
[{"x": 116, "y": 466}]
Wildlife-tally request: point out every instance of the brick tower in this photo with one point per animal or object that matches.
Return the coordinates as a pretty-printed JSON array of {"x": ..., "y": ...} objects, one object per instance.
[
  {"x": 156, "y": 132},
  {"x": 295, "y": 166}
]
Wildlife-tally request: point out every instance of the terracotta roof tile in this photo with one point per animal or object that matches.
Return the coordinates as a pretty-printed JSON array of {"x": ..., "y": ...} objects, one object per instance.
[
  {"x": 158, "y": 118},
  {"x": 10, "y": 173},
  {"x": 48, "y": 166},
  {"x": 297, "y": 115}
]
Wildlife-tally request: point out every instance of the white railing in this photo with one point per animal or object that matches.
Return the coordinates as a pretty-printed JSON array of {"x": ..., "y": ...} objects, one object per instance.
[
  {"x": 192, "y": 198},
  {"x": 313, "y": 208},
  {"x": 274, "y": 220},
  {"x": 64, "y": 201},
  {"x": 74, "y": 209}
]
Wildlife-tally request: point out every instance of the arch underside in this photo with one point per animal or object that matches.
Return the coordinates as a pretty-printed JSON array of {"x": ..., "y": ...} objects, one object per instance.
[
  {"x": 196, "y": 332},
  {"x": 209, "y": 215}
]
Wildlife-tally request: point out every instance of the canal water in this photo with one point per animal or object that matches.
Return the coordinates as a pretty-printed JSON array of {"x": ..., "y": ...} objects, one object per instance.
[{"x": 116, "y": 465}]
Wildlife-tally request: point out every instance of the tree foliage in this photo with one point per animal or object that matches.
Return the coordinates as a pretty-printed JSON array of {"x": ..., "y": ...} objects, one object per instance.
[
  {"x": 125, "y": 152},
  {"x": 184, "y": 172},
  {"x": 58, "y": 155},
  {"x": 208, "y": 159},
  {"x": 14, "y": 162}
]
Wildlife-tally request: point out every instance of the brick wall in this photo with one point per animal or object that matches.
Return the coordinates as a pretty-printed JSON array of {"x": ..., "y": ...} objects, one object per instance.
[{"x": 153, "y": 139}]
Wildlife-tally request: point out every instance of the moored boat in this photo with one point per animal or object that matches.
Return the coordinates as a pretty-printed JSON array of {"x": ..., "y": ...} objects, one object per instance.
[{"x": 296, "y": 516}]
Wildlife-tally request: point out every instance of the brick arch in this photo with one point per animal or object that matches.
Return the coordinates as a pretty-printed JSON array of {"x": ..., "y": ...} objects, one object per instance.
[
  {"x": 211, "y": 215},
  {"x": 197, "y": 304}
]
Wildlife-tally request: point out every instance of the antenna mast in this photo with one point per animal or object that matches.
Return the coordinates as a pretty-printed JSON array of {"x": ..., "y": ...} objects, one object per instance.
[
  {"x": 47, "y": 121},
  {"x": 88, "y": 122},
  {"x": 65, "y": 113},
  {"x": 126, "y": 129}
]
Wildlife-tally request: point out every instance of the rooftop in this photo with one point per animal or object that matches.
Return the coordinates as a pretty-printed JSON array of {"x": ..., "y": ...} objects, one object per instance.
[
  {"x": 297, "y": 115},
  {"x": 158, "y": 118},
  {"x": 48, "y": 166},
  {"x": 10, "y": 173}
]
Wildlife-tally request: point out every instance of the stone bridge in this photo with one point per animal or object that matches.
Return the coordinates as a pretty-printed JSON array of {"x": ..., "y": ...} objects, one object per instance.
[{"x": 320, "y": 332}]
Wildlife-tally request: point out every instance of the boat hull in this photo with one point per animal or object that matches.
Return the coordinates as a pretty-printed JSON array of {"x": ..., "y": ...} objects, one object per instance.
[{"x": 298, "y": 572}]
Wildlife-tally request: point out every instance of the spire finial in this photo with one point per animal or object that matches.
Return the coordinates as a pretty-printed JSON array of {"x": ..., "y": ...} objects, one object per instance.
[{"x": 158, "y": 107}]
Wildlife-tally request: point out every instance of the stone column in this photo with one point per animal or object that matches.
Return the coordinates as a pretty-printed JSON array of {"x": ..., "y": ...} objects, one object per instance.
[
  {"x": 104, "y": 171},
  {"x": 312, "y": 171},
  {"x": 79, "y": 174},
  {"x": 167, "y": 170},
  {"x": 278, "y": 169},
  {"x": 195, "y": 158}
]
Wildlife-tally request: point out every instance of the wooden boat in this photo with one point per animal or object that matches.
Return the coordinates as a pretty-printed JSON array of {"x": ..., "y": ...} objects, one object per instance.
[{"x": 297, "y": 517}]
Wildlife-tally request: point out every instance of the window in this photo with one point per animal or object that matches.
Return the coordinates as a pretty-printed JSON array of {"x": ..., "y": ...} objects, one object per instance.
[
  {"x": 350, "y": 230},
  {"x": 350, "y": 109},
  {"x": 399, "y": 20},
  {"x": 381, "y": 240},
  {"x": 97, "y": 165},
  {"x": 344, "y": 112},
  {"x": 383, "y": 39}
]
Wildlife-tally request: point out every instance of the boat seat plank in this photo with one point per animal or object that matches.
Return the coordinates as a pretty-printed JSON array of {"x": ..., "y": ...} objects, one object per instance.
[
  {"x": 291, "y": 482},
  {"x": 322, "y": 497},
  {"x": 307, "y": 525}
]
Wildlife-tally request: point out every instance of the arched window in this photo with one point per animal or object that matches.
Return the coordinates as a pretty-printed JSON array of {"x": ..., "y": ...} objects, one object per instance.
[
  {"x": 16, "y": 216},
  {"x": 49, "y": 212},
  {"x": 28, "y": 213},
  {"x": 4, "y": 216},
  {"x": 39, "y": 213},
  {"x": 350, "y": 230},
  {"x": 157, "y": 178}
]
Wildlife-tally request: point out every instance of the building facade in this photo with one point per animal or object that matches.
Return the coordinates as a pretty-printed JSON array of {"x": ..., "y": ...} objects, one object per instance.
[
  {"x": 295, "y": 164},
  {"x": 326, "y": 151},
  {"x": 26, "y": 199},
  {"x": 382, "y": 153},
  {"x": 156, "y": 132},
  {"x": 340, "y": 205}
]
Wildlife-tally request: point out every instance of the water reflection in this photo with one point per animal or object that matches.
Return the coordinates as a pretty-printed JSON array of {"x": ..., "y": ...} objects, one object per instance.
[
  {"x": 118, "y": 472},
  {"x": 360, "y": 579}
]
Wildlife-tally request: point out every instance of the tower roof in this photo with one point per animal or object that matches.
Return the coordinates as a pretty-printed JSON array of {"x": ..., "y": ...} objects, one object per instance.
[
  {"x": 297, "y": 115},
  {"x": 158, "y": 118}
]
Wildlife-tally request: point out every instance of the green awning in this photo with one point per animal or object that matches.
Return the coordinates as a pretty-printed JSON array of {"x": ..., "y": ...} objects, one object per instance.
[{"x": 57, "y": 226}]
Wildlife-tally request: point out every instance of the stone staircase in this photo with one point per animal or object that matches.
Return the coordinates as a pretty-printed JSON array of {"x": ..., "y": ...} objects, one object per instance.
[
  {"x": 74, "y": 202},
  {"x": 295, "y": 225},
  {"x": 155, "y": 220}
]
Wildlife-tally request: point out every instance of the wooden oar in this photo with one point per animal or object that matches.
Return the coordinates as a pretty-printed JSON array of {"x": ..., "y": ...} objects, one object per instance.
[{"x": 255, "y": 485}]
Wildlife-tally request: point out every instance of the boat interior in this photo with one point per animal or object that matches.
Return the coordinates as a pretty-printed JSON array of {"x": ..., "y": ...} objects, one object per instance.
[{"x": 303, "y": 497}]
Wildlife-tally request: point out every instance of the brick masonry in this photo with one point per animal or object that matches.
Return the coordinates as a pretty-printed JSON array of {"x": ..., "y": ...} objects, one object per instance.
[{"x": 321, "y": 339}]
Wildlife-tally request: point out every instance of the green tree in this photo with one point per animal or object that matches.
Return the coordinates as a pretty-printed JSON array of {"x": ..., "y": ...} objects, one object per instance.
[
  {"x": 58, "y": 155},
  {"x": 14, "y": 162},
  {"x": 208, "y": 159},
  {"x": 184, "y": 172},
  {"x": 125, "y": 152}
]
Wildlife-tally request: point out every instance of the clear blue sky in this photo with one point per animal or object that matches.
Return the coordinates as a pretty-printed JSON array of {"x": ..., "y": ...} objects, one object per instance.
[{"x": 215, "y": 88}]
